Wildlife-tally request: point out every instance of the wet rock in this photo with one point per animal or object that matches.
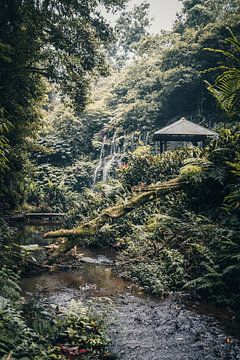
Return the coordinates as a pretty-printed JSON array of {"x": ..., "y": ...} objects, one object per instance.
[
  {"x": 88, "y": 260},
  {"x": 99, "y": 260},
  {"x": 34, "y": 253}
]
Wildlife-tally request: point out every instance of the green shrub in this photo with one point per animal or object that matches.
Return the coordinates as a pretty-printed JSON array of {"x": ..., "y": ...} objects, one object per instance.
[
  {"x": 35, "y": 331},
  {"x": 167, "y": 254},
  {"x": 144, "y": 167}
]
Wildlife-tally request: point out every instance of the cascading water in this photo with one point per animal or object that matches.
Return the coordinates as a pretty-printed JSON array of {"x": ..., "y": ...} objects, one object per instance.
[
  {"x": 147, "y": 138},
  {"x": 118, "y": 150},
  {"x": 113, "y": 155},
  {"x": 132, "y": 142},
  {"x": 98, "y": 168}
]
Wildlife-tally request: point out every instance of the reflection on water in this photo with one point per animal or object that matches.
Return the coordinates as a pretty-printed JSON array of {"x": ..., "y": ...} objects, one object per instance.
[
  {"x": 32, "y": 233},
  {"x": 95, "y": 284},
  {"x": 93, "y": 280},
  {"x": 140, "y": 327}
]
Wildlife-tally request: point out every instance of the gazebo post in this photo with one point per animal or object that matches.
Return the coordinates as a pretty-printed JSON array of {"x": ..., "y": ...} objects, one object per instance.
[
  {"x": 161, "y": 146},
  {"x": 165, "y": 145}
]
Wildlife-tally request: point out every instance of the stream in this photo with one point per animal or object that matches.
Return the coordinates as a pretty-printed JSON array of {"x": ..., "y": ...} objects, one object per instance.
[{"x": 141, "y": 327}]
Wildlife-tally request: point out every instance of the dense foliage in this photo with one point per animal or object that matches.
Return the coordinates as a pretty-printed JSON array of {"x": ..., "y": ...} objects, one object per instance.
[
  {"x": 166, "y": 80},
  {"x": 56, "y": 41},
  {"x": 32, "y": 329},
  {"x": 185, "y": 240},
  {"x": 226, "y": 88},
  {"x": 190, "y": 239}
]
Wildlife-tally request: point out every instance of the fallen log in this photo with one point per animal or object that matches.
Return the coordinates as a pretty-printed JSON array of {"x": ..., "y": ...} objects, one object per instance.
[{"x": 110, "y": 215}]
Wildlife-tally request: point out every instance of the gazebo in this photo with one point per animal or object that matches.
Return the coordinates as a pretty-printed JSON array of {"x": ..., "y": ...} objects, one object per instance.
[{"x": 183, "y": 130}]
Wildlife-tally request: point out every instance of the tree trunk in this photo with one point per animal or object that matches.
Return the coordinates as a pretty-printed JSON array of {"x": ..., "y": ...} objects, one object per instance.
[{"x": 110, "y": 215}]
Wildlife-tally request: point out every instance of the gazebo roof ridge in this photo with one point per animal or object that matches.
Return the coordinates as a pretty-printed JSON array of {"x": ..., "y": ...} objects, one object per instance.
[{"x": 185, "y": 127}]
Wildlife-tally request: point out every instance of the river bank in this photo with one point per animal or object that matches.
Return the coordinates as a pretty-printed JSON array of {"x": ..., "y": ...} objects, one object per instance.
[{"x": 139, "y": 326}]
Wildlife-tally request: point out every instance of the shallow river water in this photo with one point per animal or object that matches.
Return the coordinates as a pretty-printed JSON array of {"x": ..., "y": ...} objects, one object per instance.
[{"x": 141, "y": 328}]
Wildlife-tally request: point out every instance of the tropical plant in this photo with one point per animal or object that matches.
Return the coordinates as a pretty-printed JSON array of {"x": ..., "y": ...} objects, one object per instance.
[
  {"x": 226, "y": 88},
  {"x": 33, "y": 330},
  {"x": 144, "y": 167},
  {"x": 4, "y": 144}
]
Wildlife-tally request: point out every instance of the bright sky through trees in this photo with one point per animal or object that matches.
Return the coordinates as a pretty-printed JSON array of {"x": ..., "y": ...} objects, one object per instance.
[{"x": 163, "y": 12}]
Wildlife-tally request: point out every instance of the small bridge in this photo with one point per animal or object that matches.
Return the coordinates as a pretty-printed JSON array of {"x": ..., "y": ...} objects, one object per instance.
[{"x": 35, "y": 216}]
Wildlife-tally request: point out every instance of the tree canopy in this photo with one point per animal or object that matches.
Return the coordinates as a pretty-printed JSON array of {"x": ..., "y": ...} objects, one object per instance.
[{"x": 41, "y": 41}]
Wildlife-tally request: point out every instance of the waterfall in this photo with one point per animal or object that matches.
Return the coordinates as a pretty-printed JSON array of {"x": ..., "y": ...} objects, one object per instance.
[
  {"x": 118, "y": 150},
  {"x": 100, "y": 161},
  {"x": 139, "y": 139},
  {"x": 113, "y": 154},
  {"x": 125, "y": 142},
  {"x": 147, "y": 137}
]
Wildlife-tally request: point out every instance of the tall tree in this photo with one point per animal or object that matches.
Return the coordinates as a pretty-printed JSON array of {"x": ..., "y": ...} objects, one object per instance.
[
  {"x": 130, "y": 27},
  {"x": 55, "y": 40},
  {"x": 199, "y": 13}
]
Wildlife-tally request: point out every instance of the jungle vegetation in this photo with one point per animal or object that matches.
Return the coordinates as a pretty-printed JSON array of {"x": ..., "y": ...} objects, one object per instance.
[{"x": 65, "y": 89}]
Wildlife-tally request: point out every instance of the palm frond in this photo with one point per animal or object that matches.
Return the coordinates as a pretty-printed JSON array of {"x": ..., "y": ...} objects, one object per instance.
[{"x": 226, "y": 88}]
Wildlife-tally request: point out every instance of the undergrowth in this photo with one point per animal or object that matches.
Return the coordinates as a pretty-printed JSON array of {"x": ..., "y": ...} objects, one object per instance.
[
  {"x": 189, "y": 240},
  {"x": 32, "y": 330}
]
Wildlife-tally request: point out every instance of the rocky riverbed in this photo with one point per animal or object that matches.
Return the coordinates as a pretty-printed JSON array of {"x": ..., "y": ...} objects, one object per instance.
[
  {"x": 166, "y": 330},
  {"x": 140, "y": 327}
]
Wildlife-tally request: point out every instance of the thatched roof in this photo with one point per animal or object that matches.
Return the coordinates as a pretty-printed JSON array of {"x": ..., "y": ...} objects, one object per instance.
[{"x": 184, "y": 127}]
